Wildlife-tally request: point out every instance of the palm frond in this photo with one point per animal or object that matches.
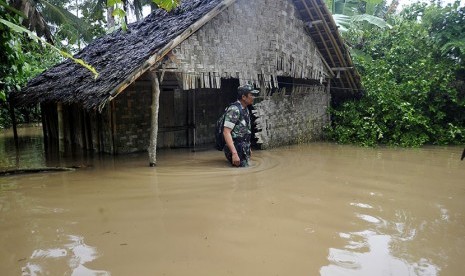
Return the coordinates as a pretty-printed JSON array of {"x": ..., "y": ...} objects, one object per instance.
[
  {"x": 456, "y": 45},
  {"x": 60, "y": 16},
  {"x": 373, "y": 20}
]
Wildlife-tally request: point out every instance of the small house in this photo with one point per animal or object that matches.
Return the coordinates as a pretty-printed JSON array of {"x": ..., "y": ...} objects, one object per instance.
[{"x": 164, "y": 82}]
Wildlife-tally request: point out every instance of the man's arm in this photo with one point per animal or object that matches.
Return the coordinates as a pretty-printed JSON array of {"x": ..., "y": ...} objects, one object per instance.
[{"x": 230, "y": 144}]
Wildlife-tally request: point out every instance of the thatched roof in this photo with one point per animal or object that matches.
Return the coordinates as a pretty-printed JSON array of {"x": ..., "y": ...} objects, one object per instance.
[{"x": 121, "y": 57}]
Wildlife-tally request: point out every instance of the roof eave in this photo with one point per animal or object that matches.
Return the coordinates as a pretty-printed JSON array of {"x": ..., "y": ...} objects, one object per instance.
[
  {"x": 329, "y": 42},
  {"x": 157, "y": 56}
]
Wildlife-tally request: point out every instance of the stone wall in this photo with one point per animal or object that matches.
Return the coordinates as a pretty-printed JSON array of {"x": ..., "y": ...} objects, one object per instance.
[{"x": 292, "y": 117}]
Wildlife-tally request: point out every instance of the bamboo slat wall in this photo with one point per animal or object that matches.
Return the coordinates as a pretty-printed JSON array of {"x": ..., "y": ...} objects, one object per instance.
[
  {"x": 254, "y": 41},
  {"x": 292, "y": 117}
]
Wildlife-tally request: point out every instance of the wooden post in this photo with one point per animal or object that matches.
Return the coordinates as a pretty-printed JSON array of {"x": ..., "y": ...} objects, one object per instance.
[
  {"x": 194, "y": 122},
  {"x": 154, "y": 118},
  {"x": 61, "y": 129},
  {"x": 13, "y": 122},
  {"x": 113, "y": 125}
]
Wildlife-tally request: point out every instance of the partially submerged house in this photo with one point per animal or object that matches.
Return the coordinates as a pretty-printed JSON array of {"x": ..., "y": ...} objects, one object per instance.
[{"x": 167, "y": 78}]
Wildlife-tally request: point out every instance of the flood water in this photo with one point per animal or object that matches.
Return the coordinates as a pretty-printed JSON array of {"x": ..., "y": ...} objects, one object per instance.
[{"x": 317, "y": 209}]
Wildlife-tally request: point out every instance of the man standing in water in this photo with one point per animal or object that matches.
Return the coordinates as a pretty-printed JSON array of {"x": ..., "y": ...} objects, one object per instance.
[{"x": 237, "y": 127}]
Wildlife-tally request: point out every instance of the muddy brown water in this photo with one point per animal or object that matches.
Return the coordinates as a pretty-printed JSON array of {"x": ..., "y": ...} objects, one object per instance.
[{"x": 317, "y": 209}]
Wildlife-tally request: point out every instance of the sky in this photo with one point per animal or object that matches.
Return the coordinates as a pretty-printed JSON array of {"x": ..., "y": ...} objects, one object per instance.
[
  {"x": 146, "y": 9},
  {"x": 445, "y": 2}
]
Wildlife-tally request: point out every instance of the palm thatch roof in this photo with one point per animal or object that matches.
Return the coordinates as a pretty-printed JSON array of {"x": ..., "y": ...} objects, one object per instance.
[{"x": 121, "y": 57}]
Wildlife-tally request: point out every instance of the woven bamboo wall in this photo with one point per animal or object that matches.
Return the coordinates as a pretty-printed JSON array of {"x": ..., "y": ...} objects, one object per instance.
[
  {"x": 254, "y": 41},
  {"x": 292, "y": 117}
]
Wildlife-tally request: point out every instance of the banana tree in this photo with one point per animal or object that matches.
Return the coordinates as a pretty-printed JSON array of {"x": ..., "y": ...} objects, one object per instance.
[
  {"x": 347, "y": 13},
  {"x": 353, "y": 7},
  {"x": 345, "y": 22}
]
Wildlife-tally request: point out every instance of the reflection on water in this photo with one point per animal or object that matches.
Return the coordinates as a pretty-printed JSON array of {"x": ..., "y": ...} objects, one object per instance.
[
  {"x": 371, "y": 255},
  {"x": 317, "y": 209},
  {"x": 30, "y": 152},
  {"x": 76, "y": 253}
]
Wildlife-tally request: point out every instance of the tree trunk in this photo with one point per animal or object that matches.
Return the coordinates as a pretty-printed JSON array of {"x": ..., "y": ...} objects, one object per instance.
[
  {"x": 110, "y": 18},
  {"x": 79, "y": 35},
  {"x": 126, "y": 11},
  {"x": 154, "y": 119}
]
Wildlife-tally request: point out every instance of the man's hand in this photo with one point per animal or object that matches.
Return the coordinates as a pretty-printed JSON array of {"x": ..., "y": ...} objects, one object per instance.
[{"x": 236, "y": 161}]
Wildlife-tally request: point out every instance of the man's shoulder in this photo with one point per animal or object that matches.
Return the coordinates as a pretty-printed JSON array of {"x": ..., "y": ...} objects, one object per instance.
[
  {"x": 232, "y": 115},
  {"x": 234, "y": 107},
  {"x": 236, "y": 104}
]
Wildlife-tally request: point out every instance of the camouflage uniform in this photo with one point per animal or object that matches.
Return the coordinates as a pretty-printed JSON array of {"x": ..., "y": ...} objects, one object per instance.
[{"x": 241, "y": 133}]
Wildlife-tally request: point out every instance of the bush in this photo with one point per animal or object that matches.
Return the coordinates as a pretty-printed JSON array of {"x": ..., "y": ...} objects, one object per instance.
[{"x": 411, "y": 94}]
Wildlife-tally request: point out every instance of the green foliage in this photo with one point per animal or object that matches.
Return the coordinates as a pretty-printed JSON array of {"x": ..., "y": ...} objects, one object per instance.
[
  {"x": 76, "y": 27},
  {"x": 412, "y": 96},
  {"x": 40, "y": 15},
  {"x": 167, "y": 5},
  {"x": 448, "y": 31},
  {"x": 371, "y": 19},
  {"x": 26, "y": 60},
  {"x": 350, "y": 13},
  {"x": 11, "y": 56},
  {"x": 120, "y": 9},
  {"x": 346, "y": 23},
  {"x": 38, "y": 40},
  {"x": 72, "y": 29},
  {"x": 354, "y": 7},
  {"x": 20, "y": 59},
  {"x": 118, "y": 13}
]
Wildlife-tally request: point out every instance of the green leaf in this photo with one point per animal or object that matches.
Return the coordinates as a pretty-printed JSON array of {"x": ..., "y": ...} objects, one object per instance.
[
  {"x": 167, "y": 5},
  {"x": 113, "y": 2},
  {"x": 37, "y": 39},
  {"x": 374, "y": 20},
  {"x": 118, "y": 13},
  {"x": 342, "y": 21}
]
